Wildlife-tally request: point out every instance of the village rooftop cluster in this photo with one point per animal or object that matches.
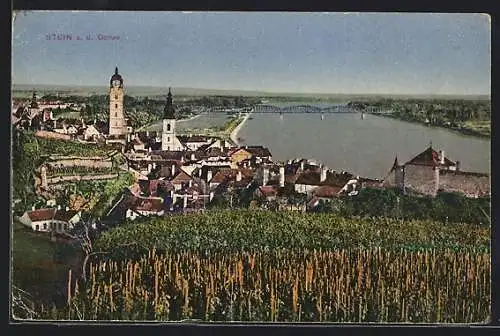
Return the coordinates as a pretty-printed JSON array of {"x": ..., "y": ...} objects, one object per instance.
[{"x": 179, "y": 173}]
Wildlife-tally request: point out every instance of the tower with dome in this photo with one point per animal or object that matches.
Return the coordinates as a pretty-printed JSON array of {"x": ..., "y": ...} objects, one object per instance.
[{"x": 117, "y": 122}]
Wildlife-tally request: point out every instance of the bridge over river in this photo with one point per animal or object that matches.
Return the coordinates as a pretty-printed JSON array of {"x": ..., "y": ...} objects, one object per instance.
[{"x": 268, "y": 108}]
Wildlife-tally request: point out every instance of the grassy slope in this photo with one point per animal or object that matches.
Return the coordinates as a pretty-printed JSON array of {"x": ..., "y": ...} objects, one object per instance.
[
  {"x": 40, "y": 267},
  {"x": 33, "y": 265}
]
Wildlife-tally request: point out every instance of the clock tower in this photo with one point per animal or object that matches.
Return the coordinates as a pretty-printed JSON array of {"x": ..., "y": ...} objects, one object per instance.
[{"x": 117, "y": 123}]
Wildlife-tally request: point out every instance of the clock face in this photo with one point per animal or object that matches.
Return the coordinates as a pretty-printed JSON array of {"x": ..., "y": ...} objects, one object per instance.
[{"x": 116, "y": 83}]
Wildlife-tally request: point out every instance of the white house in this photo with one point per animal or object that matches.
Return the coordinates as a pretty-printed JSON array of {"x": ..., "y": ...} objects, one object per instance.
[
  {"x": 51, "y": 219},
  {"x": 91, "y": 132},
  {"x": 309, "y": 181},
  {"x": 130, "y": 207}
]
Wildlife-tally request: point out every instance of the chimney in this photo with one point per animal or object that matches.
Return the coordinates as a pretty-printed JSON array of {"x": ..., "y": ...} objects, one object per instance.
[
  {"x": 441, "y": 156},
  {"x": 457, "y": 164},
  {"x": 173, "y": 169},
  {"x": 322, "y": 177},
  {"x": 302, "y": 165},
  {"x": 282, "y": 177},
  {"x": 209, "y": 175},
  {"x": 238, "y": 176},
  {"x": 265, "y": 176},
  {"x": 185, "y": 201}
]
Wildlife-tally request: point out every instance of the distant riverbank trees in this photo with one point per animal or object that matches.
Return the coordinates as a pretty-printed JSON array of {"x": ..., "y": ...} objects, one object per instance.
[{"x": 465, "y": 115}]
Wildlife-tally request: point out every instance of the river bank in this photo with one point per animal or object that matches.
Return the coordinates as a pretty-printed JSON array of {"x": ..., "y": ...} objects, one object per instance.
[
  {"x": 462, "y": 131},
  {"x": 149, "y": 126},
  {"x": 234, "y": 133}
]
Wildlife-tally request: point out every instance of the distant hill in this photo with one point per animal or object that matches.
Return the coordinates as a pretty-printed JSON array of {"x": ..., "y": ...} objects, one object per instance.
[{"x": 25, "y": 90}]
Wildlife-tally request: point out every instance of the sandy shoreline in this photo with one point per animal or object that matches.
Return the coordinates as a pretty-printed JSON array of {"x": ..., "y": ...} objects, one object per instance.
[
  {"x": 192, "y": 118},
  {"x": 234, "y": 133}
]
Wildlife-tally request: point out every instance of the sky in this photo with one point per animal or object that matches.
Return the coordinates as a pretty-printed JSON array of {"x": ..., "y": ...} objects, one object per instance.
[{"x": 412, "y": 53}]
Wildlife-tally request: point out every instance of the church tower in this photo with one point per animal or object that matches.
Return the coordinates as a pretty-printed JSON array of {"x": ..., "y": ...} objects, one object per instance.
[
  {"x": 117, "y": 124},
  {"x": 169, "y": 141}
]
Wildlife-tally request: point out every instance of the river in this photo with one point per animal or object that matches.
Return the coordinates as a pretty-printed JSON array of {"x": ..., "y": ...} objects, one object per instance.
[{"x": 364, "y": 147}]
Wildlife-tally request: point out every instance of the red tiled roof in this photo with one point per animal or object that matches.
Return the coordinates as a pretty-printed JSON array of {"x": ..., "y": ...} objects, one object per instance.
[
  {"x": 148, "y": 204},
  {"x": 181, "y": 177},
  {"x": 221, "y": 175},
  {"x": 268, "y": 190},
  {"x": 41, "y": 214},
  {"x": 429, "y": 157},
  {"x": 230, "y": 174},
  {"x": 327, "y": 191}
]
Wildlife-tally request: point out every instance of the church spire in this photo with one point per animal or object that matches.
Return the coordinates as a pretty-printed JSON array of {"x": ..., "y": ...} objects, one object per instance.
[
  {"x": 116, "y": 70},
  {"x": 396, "y": 163},
  {"x": 169, "y": 112}
]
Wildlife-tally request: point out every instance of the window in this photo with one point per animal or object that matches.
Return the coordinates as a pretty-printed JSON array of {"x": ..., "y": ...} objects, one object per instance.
[
  {"x": 44, "y": 226},
  {"x": 168, "y": 139},
  {"x": 116, "y": 105},
  {"x": 168, "y": 127},
  {"x": 59, "y": 226},
  {"x": 64, "y": 227},
  {"x": 116, "y": 114},
  {"x": 116, "y": 96},
  {"x": 37, "y": 227}
]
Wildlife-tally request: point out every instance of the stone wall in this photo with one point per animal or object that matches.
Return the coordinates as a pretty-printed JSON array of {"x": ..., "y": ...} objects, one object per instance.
[
  {"x": 91, "y": 163},
  {"x": 73, "y": 178},
  {"x": 471, "y": 184},
  {"x": 52, "y": 135},
  {"x": 422, "y": 179},
  {"x": 390, "y": 180}
]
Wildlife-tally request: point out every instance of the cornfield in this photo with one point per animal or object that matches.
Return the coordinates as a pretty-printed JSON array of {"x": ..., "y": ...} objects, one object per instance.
[{"x": 294, "y": 285}]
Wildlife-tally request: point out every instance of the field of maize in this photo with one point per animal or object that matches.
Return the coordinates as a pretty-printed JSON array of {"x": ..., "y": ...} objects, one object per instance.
[{"x": 410, "y": 272}]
